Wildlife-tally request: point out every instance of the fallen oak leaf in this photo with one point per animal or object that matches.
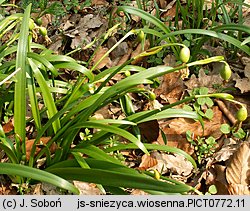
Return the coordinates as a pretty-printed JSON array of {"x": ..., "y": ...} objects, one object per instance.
[
  {"x": 172, "y": 163},
  {"x": 211, "y": 127},
  {"x": 105, "y": 62},
  {"x": 43, "y": 141},
  {"x": 238, "y": 171},
  {"x": 8, "y": 127},
  {"x": 243, "y": 84},
  {"x": 147, "y": 162}
]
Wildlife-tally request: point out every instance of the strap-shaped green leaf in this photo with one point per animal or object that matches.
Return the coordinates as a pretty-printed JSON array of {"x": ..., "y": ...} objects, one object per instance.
[
  {"x": 20, "y": 86},
  {"x": 36, "y": 174}
]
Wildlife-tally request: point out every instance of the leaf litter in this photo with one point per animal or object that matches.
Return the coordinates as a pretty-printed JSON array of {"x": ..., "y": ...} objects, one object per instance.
[{"x": 229, "y": 167}]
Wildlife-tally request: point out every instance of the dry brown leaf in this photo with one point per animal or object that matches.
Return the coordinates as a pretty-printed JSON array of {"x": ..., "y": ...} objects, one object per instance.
[
  {"x": 147, "y": 161},
  {"x": 170, "y": 10},
  {"x": 211, "y": 127},
  {"x": 90, "y": 21},
  {"x": 172, "y": 163},
  {"x": 124, "y": 57},
  {"x": 171, "y": 88},
  {"x": 138, "y": 192},
  {"x": 99, "y": 2},
  {"x": 238, "y": 189},
  {"x": 87, "y": 188},
  {"x": 78, "y": 40},
  {"x": 103, "y": 113},
  {"x": 105, "y": 62},
  {"x": 8, "y": 127},
  {"x": 216, "y": 175},
  {"x": 228, "y": 148},
  {"x": 243, "y": 84},
  {"x": 204, "y": 80},
  {"x": 238, "y": 171},
  {"x": 246, "y": 62},
  {"x": 174, "y": 139},
  {"x": 43, "y": 141}
]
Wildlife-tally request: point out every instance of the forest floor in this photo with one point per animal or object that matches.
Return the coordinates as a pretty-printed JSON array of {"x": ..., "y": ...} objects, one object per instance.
[{"x": 225, "y": 160}]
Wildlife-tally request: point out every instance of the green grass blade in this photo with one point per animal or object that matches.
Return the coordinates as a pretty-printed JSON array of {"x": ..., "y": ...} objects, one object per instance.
[
  {"x": 102, "y": 136},
  {"x": 58, "y": 58},
  {"x": 20, "y": 86},
  {"x": 211, "y": 33},
  {"x": 113, "y": 121},
  {"x": 11, "y": 155},
  {"x": 232, "y": 27},
  {"x": 154, "y": 147},
  {"x": 48, "y": 99},
  {"x": 106, "y": 72},
  {"x": 33, "y": 98},
  {"x": 111, "y": 129},
  {"x": 77, "y": 67},
  {"x": 43, "y": 61},
  {"x": 224, "y": 11},
  {"x": 170, "y": 113},
  {"x": 82, "y": 162},
  {"x": 96, "y": 153},
  {"x": 150, "y": 18},
  {"x": 36, "y": 174},
  {"x": 126, "y": 84},
  {"x": 81, "y": 106},
  {"x": 247, "y": 40},
  {"x": 117, "y": 179},
  {"x": 146, "y": 16},
  {"x": 8, "y": 20},
  {"x": 112, "y": 167},
  {"x": 2, "y": 1}
]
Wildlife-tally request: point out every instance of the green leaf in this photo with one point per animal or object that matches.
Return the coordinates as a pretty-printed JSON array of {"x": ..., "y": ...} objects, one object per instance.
[
  {"x": 150, "y": 18},
  {"x": 36, "y": 174},
  {"x": 118, "y": 179},
  {"x": 209, "y": 102},
  {"x": 96, "y": 153},
  {"x": 48, "y": 99},
  {"x": 201, "y": 101},
  {"x": 225, "y": 128},
  {"x": 2, "y": 1},
  {"x": 77, "y": 67},
  {"x": 154, "y": 147},
  {"x": 189, "y": 136},
  {"x": 210, "y": 140},
  {"x": 203, "y": 91},
  {"x": 9, "y": 152},
  {"x": 20, "y": 86},
  {"x": 187, "y": 108},
  {"x": 43, "y": 61},
  {"x": 169, "y": 113},
  {"x": 146, "y": 16},
  {"x": 33, "y": 98},
  {"x": 209, "y": 113},
  {"x": 114, "y": 130},
  {"x": 240, "y": 134},
  {"x": 247, "y": 40},
  {"x": 211, "y": 33},
  {"x": 212, "y": 189}
]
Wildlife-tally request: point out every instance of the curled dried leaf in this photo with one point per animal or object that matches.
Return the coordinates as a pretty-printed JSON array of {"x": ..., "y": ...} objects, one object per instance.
[{"x": 238, "y": 171}]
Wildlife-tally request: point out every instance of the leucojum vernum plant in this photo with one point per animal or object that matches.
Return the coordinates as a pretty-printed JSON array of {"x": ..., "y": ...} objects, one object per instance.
[{"x": 70, "y": 107}]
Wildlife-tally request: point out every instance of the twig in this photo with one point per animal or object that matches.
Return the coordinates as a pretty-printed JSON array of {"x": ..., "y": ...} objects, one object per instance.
[{"x": 225, "y": 111}]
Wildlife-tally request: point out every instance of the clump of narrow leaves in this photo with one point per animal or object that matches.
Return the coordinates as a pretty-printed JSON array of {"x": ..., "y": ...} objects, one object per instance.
[{"x": 69, "y": 108}]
